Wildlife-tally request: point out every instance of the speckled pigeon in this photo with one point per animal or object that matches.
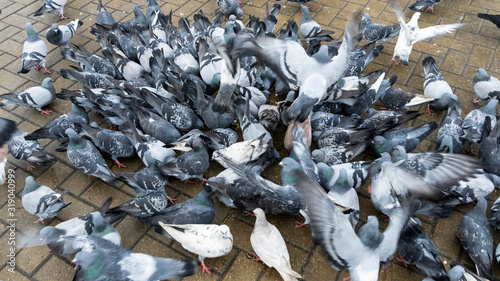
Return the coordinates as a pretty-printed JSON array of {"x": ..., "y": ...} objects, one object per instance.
[{"x": 376, "y": 32}]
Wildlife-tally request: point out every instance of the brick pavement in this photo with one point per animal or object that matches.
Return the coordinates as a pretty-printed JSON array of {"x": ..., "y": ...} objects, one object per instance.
[{"x": 457, "y": 55}]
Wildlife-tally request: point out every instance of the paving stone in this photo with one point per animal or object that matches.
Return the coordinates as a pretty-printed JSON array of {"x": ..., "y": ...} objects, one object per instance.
[
  {"x": 318, "y": 267},
  {"x": 29, "y": 258},
  {"x": 243, "y": 263},
  {"x": 55, "y": 269}
]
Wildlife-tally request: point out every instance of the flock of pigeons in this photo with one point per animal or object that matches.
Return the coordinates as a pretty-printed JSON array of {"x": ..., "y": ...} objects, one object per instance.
[{"x": 155, "y": 87}]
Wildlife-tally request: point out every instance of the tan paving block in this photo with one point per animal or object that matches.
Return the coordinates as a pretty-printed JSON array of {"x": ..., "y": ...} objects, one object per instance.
[
  {"x": 77, "y": 208},
  {"x": 326, "y": 15},
  {"x": 35, "y": 115},
  {"x": 476, "y": 39},
  {"x": 480, "y": 57},
  {"x": 454, "y": 62},
  {"x": 188, "y": 9},
  {"x": 444, "y": 236},
  {"x": 318, "y": 267},
  {"x": 30, "y": 258},
  {"x": 241, "y": 238},
  {"x": 455, "y": 44},
  {"x": 375, "y": 7},
  {"x": 14, "y": 276},
  {"x": 11, "y": 82},
  {"x": 54, "y": 175},
  {"x": 9, "y": 10},
  {"x": 55, "y": 269},
  {"x": 100, "y": 191},
  {"x": 154, "y": 248},
  {"x": 243, "y": 263},
  {"x": 348, "y": 10},
  {"x": 131, "y": 230}
]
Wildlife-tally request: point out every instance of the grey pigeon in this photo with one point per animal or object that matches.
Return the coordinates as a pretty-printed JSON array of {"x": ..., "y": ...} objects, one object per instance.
[
  {"x": 485, "y": 86},
  {"x": 343, "y": 194},
  {"x": 7, "y": 129},
  {"x": 210, "y": 64},
  {"x": 436, "y": 87},
  {"x": 474, "y": 232},
  {"x": 60, "y": 35},
  {"x": 495, "y": 211},
  {"x": 41, "y": 200},
  {"x": 104, "y": 17},
  {"x": 415, "y": 247},
  {"x": 148, "y": 147},
  {"x": 36, "y": 97},
  {"x": 450, "y": 132},
  {"x": 29, "y": 150},
  {"x": 270, "y": 247},
  {"x": 89, "y": 61},
  {"x": 103, "y": 260},
  {"x": 205, "y": 240},
  {"x": 191, "y": 164},
  {"x": 489, "y": 155},
  {"x": 90, "y": 224},
  {"x": 157, "y": 127},
  {"x": 360, "y": 252},
  {"x": 309, "y": 29},
  {"x": 34, "y": 52},
  {"x": 86, "y": 158},
  {"x": 53, "y": 7},
  {"x": 459, "y": 273},
  {"x": 230, "y": 7},
  {"x": 428, "y": 4},
  {"x": 495, "y": 19},
  {"x": 196, "y": 210},
  {"x": 409, "y": 138},
  {"x": 146, "y": 203},
  {"x": 357, "y": 173},
  {"x": 410, "y": 33},
  {"x": 113, "y": 142},
  {"x": 376, "y": 32},
  {"x": 395, "y": 99},
  {"x": 474, "y": 121},
  {"x": 149, "y": 178}
]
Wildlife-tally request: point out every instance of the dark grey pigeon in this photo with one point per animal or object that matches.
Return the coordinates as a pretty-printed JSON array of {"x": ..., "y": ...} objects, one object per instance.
[
  {"x": 460, "y": 273},
  {"x": 113, "y": 142},
  {"x": 415, "y": 247},
  {"x": 62, "y": 34},
  {"x": 450, "y": 133},
  {"x": 485, "y": 86},
  {"x": 395, "y": 99},
  {"x": 360, "y": 252},
  {"x": 53, "y": 7},
  {"x": 474, "y": 232},
  {"x": 191, "y": 164},
  {"x": 29, "y": 150},
  {"x": 148, "y": 147},
  {"x": 197, "y": 210},
  {"x": 495, "y": 211},
  {"x": 428, "y": 4},
  {"x": 89, "y": 61},
  {"x": 436, "y": 87},
  {"x": 36, "y": 97},
  {"x": 149, "y": 178},
  {"x": 361, "y": 57},
  {"x": 41, "y": 200},
  {"x": 88, "y": 78},
  {"x": 495, "y": 19},
  {"x": 146, "y": 203},
  {"x": 104, "y": 17},
  {"x": 408, "y": 137},
  {"x": 489, "y": 154},
  {"x": 474, "y": 121},
  {"x": 376, "y": 32},
  {"x": 332, "y": 155},
  {"x": 103, "y": 260},
  {"x": 34, "y": 51},
  {"x": 86, "y": 158},
  {"x": 157, "y": 127}
]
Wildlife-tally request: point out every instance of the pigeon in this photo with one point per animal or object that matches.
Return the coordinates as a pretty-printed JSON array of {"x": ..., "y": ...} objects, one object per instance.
[
  {"x": 474, "y": 121},
  {"x": 242, "y": 152},
  {"x": 58, "y": 238},
  {"x": 410, "y": 33},
  {"x": 409, "y": 138},
  {"x": 489, "y": 156},
  {"x": 270, "y": 247},
  {"x": 451, "y": 131},
  {"x": 495, "y": 19},
  {"x": 60, "y": 35},
  {"x": 113, "y": 142},
  {"x": 36, "y": 97},
  {"x": 157, "y": 127},
  {"x": 148, "y": 147},
  {"x": 146, "y": 203},
  {"x": 360, "y": 252},
  {"x": 86, "y": 158},
  {"x": 428, "y": 4},
  {"x": 205, "y": 240},
  {"x": 28, "y": 150},
  {"x": 41, "y": 200},
  {"x": 149, "y": 178},
  {"x": 396, "y": 99},
  {"x": 103, "y": 260},
  {"x": 495, "y": 211},
  {"x": 485, "y": 86},
  {"x": 53, "y": 7},
  {"x": 7, "y": 129},
  {"x": 230, "y": 7},
  {"x": 376, "y": 32},
  {"x": 34, "y": 52},
  {"x": 459, "y": 273},
  {"x": 104, "y": 17},
  {"x": 197, "y": 210},
  {"x": 474, "y": 232},
  {"x": 415, "y": 247},
  {"x": 436, "y": 87},
  {"x": 89, "y": 61},
  {"x": 191, "y": 164},
  {"x": 309, "y": 29},
  {"x": 343, "y": 194}
]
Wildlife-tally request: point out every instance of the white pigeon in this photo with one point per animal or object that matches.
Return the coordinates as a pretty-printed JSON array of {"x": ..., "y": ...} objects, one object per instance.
[
  {"x": 270, "y": 246},
  {"x": 205, "y": 240},
  {"x": 410, "y": 33}
]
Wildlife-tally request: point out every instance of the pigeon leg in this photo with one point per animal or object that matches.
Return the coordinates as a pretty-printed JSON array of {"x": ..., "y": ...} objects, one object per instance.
[
  {"x": 429, "y": 110},
  {"x": 370, "y": 188},
  {"x": 188, "y": 181},
  {"x": 45, "y": 70},
  {"x": 383, "y": 108},
  {"x": 393, "y": 61},
  {"x": 239, "y": 2},
  {"x": 347, "y": 278},
  {"x": 205, "y": 268},
  {"x": 249, "y": 214},
  {"x": 474, "y": 101},
  {"x": 470, "y": 150},
  {"x": 39, "y": 220},
  {"x": 385, "y": 217},
  {"x": 172, "y": 200},
  {"x": 204, "y": 181},
  {"x": 401, "y": 259},
  {"x": 37, "y": 67},
  {"x": 430, "y": 9},
  {"x": 45, "y": 111},
  {"x": 301, "y": 224},
  {"x": 256, "y": 258},
  {"x": 120, "y": 165},
  {"x": 62, "y": 16},
  {"x": 29, "y": 167}
]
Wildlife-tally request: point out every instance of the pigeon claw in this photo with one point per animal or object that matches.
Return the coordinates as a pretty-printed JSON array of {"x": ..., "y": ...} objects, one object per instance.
[
  {"x": 45, "y": 111},
  {"x": 29, "y": 167},
  {"x": 205, "y": 268},
  {"x": 62, "y": 16},
  {"x": 188, "y": 181},
  {"x": 172, "y": 200},
  {"x": 240, "y": 2},
  {"x": 37, "y": 67},
  {"x": 401, "y": 259},
  {"x": 250, "y": 214},
  {"x": 256, "y": 258},
  {"x": 347, "y": 278},
  {"x": 301, "y": 224},
  {"x": 385, "y": 217},
  {"x": 45, "y": 70},
  {"x": 430, "y": 9},
  {"x": 429, "y": 110},
  {"x": 39, "y": 221},
  {"x": 474, "y": 101},
  {"x": 204, "y": 181},
  {"x": 120, "y": 165}
]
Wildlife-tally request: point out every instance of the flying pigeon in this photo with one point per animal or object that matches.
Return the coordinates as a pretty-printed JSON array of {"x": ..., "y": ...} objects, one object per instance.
[
  {"x": 41, "y": 200},
  {"x": 53, "y": 7},
  {"x": 410, "y": 33},
  {"x": 428, "y": 4},
  {"x": 7, "y": 129},
  {"x": 376, "y": 32},
  {"x": 36, "y": 97},
  {"x": 495, "y": 19},
  {"x": 485, "y": 86},
  {"x": 86, "y": 158},
  {"x": 205, "y": 240},
  {"x": 474, "y": 232},
  {"x": 270, "y": 247},
  {"x": 34, "y": 52},
  {"x": 28, "y": 150},
  {"x": 436, "y": 87},
  {"x": 60, "y": 35}
]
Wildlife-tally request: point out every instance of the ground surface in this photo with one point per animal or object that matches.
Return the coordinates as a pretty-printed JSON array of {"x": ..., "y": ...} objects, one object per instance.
[{"x": 458, "y": 56}]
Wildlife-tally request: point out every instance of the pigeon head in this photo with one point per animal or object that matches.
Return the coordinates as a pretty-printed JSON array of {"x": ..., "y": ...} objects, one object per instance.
[
  {"x": 224, "y": 229},
  {"x": 54, "y": 27},
  {"x": 369, "y": 233},
  {"x": 318, "y": 155},
  {"x": 480, "y": 209},
  {"x": 50, "y": 234},
  {"x": 404, "y": 58},
  {"x": 325, "y": 173},
  {"x": 481, "y": 75},
  {"x": 306, "y": 16},
  {"x": 398, "y": 153},
  {"x": 381, "y": 144},
  {"x": 365, "y": 19},
  {"x": 215, "y": 83},
  {"x": 31, "y": 32},
  {"x": 288, "y": 176},
  {"x": 31, "y": 185},
  {"x": 259, "y": 214},
  {"x": 456, "y": 272},
  {"x": 47, "y": 83},
  {"x": 342, "y": 183},
  {"x": 72, "y": 135}
]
